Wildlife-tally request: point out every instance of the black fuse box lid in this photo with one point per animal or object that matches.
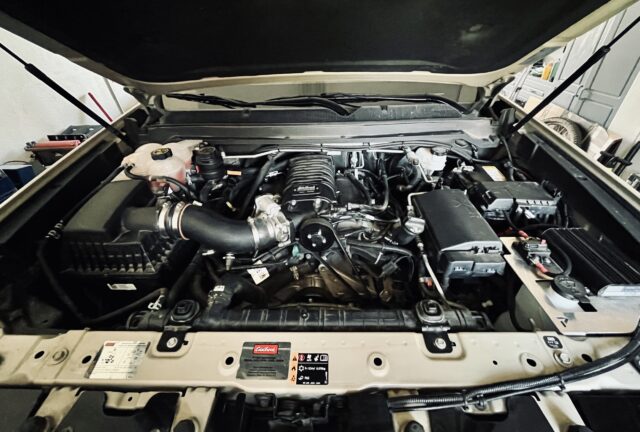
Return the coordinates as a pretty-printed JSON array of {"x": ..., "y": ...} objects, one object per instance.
[{"x": 454, "y": 224}]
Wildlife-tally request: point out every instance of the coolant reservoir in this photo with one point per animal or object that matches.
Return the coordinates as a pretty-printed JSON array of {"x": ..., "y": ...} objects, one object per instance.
[
  {"x": 432, "y": 159},
  {"x": 164, "y": 163},
  {"x": 184, "y": 150},
  {"x": 141, "y": 158}
]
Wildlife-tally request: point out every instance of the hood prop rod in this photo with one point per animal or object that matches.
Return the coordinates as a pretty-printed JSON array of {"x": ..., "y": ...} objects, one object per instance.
[
  {"x": 595, "y": 57},
  {"x": 33, "y": 70}
]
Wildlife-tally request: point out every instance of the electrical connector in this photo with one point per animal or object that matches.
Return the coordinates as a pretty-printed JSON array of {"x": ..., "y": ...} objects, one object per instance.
[{"x": 536, "y": 252}]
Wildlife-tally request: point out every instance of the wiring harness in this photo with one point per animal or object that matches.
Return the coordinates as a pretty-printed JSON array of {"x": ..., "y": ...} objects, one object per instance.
[{"x": 483, "y": 394}]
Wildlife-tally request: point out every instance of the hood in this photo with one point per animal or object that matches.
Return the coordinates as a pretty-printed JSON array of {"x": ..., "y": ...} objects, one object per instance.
[{"x": 160, "y": 46}]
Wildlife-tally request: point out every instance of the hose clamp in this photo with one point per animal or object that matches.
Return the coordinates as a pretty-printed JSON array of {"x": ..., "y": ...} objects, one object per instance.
[
  {"x": 176, "y": 219},
  {"x": 162, "y": 218},
  {"x": 254, "y": 231}
]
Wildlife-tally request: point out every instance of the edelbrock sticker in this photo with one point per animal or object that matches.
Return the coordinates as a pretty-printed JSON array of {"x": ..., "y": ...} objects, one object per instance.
[{"x": 264, "y": 360}]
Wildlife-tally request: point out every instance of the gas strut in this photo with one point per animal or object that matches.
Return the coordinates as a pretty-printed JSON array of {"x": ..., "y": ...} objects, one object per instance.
[
  {"x": 33, "y": 70},
  {"x": 595, "y": 57}
]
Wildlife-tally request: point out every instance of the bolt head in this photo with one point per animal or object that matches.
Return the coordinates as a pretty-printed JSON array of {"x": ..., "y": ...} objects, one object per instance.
[
  {"x": 172, "y": 342},
  {"x": 440, "y": 343},
  {"x": 563, "y": 358}
]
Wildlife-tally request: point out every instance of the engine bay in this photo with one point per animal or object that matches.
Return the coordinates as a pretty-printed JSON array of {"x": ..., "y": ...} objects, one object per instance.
[
  {"x": 410, "y": 235},
  {"x": 309, "y": 276},
  {"x": 348, "y": 229}
]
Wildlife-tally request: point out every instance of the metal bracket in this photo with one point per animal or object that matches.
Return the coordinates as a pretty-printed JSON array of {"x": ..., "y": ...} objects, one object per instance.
[
  {"x": 171, "y": 341},
  {"x": 438, "y": 342}
]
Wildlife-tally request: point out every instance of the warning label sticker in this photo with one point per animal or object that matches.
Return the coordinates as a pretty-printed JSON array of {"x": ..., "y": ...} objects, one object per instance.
[
  {"x": 119, "y": 360},
  {"x": 264, "y": 360},
  {"x": 310, "y": 369}
]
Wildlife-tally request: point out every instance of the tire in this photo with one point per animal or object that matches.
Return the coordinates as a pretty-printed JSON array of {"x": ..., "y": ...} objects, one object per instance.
[{"x": 567, "y": 128}]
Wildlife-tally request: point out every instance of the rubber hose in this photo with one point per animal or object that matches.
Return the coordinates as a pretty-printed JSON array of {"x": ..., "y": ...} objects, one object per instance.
[
  {"x": 358, "y": 185},
  {"x": 216, "y": 231},
  {"x": 244, "y": 209},
  {"x": 413, "y": 181},
  {"x": 196, "y": 290},
  {"x": 183, "y": 280},
  {"x": 380, "y": 247},
  {"x": 202, "y": 225}
]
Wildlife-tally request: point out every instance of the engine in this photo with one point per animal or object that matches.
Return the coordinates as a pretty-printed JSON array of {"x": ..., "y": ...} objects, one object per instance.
[{"x": 190, "y": 233}]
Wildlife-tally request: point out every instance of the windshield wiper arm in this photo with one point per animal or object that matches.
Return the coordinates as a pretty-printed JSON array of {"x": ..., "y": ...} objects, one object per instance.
[
  {"x": 347, "y": 98},
  {"x": 297, "y": 101},
  {"x": 211, "y": 100},
  {"x": 301, "y": 101},
  {"x": 340, "y": 103}
]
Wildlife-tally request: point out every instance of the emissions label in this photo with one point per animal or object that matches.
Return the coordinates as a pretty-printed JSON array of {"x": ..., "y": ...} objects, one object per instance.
[
  {"x": 310, "y": 369},
  {"x": 119, "y": 360},
  {"x": 264, "y": 360}
]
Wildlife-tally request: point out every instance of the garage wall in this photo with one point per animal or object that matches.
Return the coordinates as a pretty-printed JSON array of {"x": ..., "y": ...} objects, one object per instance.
[
  {"x": 29, "y": 110},
  {"x": 626, "y": 124}
]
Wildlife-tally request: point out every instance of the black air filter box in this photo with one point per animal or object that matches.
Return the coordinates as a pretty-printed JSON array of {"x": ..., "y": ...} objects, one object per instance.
[
  {"x": 97, "y": 253},
  {"x": 458, "y": 239}
]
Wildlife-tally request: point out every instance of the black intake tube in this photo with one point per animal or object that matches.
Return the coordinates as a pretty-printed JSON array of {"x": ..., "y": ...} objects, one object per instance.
[
  {"x": 202, "y": 225},
  {"x": 140, "y": 219},
  {"x": 215, "y": 231}
]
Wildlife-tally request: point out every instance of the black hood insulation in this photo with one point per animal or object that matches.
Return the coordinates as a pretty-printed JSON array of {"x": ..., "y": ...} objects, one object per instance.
[{"x": 179, "y": 41}]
